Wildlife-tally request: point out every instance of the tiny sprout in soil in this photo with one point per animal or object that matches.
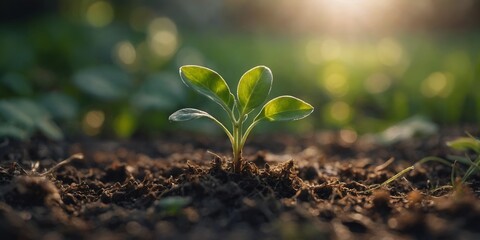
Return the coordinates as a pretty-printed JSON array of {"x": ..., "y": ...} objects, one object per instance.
[
  {"x": 471, "y": 159},
  {"x": 252, "y": 90}
]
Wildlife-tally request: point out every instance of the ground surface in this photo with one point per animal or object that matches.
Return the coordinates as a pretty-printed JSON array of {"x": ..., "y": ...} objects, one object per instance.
[{"x": 294, "y": 187}]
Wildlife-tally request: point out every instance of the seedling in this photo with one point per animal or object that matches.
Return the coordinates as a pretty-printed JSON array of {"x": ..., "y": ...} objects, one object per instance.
[
  {"x": 470, "y": 145},
  {"x": 252, "y": 90}
]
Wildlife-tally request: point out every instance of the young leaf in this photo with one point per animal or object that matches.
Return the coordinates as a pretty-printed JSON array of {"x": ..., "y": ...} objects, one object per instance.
[
  {"x": 253, "y": 88},
  {"x": 208, "y": 83},
  {"x": 11, "y": 112},
  {"x": 284, "y": 108},
  {"x": 105, "y": 83},
  {"x": 50, "y": 129},
  {"x": 465, "y": 143},
  {"x": 10, "y": 130},
  {"x": 60, "y": 105},
  {"x": 187, "y": 114}
]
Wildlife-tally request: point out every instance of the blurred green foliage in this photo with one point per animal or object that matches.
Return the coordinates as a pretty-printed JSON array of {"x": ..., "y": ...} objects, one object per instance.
[{"x": 104, "y": 68}]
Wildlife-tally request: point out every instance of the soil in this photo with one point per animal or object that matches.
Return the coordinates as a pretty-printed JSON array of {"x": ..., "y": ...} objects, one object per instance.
[{"x": 317, "y": 186}]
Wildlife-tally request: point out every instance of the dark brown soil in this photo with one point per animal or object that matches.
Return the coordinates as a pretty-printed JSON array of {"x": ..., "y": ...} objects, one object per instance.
[{"x": 309, "y": 187}]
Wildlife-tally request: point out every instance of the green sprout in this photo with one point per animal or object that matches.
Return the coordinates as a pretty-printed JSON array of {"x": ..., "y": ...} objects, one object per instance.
[
  {"x": 470, "y": 160},
  {"x": 471, "y": 148},
  {"x": 253, "y": 89}
]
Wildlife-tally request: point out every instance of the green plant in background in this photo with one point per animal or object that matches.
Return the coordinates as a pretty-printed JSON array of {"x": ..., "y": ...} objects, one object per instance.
[
  {"x": 127, "y": 103},
  {"x": 252, "y": 90},
  {"x": 21, "y": 118},
  {"x": 24, "y": 114},
  {"x": 471, "y": 147}
]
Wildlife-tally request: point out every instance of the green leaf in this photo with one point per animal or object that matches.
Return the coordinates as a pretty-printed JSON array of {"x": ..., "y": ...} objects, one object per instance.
[
  {"x": 172, "y": 205},
  {"x": 284, "y": 108},
  {"x": 10, "y": 111},
  {"x": 40, "y": 117},
  {"x": 253, "y": 88},
  {"x": 465, "y": 160},
  {"x": 50, "y": 129},
  {"x": 187, "y": 114},
  {"x": 209, "y": 83},
  {"x": 7, "y": 130},
  {"x": 159, "y": 92},
  {"x": 60, "y": 105},
  {"x": 465, "y": 143},
  {"x": 29, "y": 117},
  {"x": 105, "y": 83},
  {"x": 174, "y": 202}
]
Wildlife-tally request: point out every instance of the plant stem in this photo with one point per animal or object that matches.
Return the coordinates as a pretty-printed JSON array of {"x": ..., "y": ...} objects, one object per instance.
[
  {"x": 474, "y": 166},
  {"x": 396, "y": 176},
  {"x": 435, "y": 159},
  {"x": 237, "y": 148},
  {"x": 247, "y": 132}
]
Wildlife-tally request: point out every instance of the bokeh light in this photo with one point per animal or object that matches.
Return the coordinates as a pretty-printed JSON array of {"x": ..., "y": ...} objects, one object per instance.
[
  {"x": 335, "y": 80},
  {"x": 336, "y": 84},
  {"x": 389, "y": 52},
  {"x": 340, "y": 112},
  {"x": 162, "y": 37},
  {"x": 348, "y": 136},
  {"x": 436, "y": 84},
  {"x": 377, "y": 83},
  {"x": 125, "y": 53},
  {"x": 93, "y": 122},
  {"x": 330, "y": 49},
  {"x": 99, "y": 14},
  {"x": 318, "y": 51}
]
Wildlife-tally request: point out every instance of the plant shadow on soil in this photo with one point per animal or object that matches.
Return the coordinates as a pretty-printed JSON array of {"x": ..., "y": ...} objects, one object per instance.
[{"x": 293, "y": 187}]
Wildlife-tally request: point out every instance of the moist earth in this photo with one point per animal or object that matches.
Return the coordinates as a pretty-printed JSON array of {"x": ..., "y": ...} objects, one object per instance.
[{"x": 180, "y": 186}]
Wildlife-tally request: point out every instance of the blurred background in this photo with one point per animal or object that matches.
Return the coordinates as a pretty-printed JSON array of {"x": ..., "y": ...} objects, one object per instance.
[{"x": 110, "y": 68}]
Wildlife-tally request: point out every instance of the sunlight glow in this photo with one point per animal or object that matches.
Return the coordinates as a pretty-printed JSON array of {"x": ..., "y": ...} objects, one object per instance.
[
  {"x": 363, "y": 17},
  {"x": 345, "y": 15}
]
